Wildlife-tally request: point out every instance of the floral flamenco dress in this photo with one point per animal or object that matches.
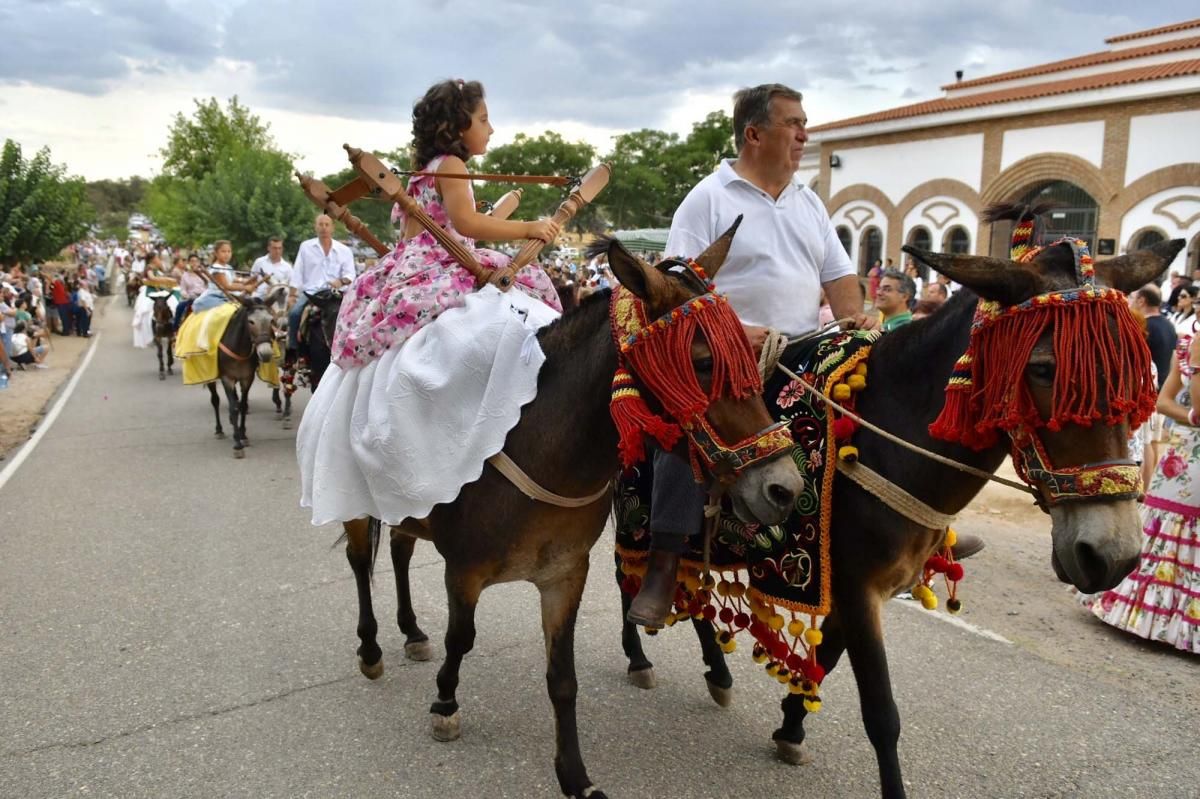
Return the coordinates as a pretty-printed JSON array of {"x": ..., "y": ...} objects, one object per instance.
[
  {"x": 1160, "y": 599},
  {"x": 428, "y": 377}
]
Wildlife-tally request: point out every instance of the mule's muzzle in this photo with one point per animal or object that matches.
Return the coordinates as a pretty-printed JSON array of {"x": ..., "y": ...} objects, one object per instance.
[
  {"x": 767, "y": 491},
  {"x": 1096, "y": 544}
]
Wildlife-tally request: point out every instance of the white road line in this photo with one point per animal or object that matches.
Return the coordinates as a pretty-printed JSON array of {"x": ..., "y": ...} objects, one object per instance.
[
  {"x": 953, "y": 621},
  {"x": 23, "y": 453}
]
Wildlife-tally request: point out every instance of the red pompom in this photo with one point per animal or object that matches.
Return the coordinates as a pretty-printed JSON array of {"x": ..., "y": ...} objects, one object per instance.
[
  {"x": 954, "y": 572},
  {"x": 709, "y": 612},
  {"x": 726, "y": 615},
  {"x": 795, "y": 662},
  {"x": 937, "y": 563},
  {"x": 742, "y": 620},
  {"x": 815, "y": 672},
  {"x": 844, "y": 428},
  {"x": 779, "y": 650}
]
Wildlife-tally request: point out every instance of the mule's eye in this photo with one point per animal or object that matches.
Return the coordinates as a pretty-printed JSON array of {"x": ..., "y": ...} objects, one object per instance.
[
  {"x": 703, "y": 365},
  {"x": 1041, "y": 372}
]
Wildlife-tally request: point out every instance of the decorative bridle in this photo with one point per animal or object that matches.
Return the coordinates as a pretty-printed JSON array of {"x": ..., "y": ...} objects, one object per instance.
[
  {"x": 1103, "y": 376},
  {"x": 657, "y": 354}
]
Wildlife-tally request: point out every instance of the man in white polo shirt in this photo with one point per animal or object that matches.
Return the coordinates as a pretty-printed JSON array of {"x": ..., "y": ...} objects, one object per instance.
[
  {"x": 785, "y": 252},
  {"x": 272, "y": 268},
  {"x": 320, "y": 263}
]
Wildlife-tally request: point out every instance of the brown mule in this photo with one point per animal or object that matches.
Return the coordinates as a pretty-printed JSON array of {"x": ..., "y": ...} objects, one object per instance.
[
  {"x": 492, "y": 533},
  {"x": 876, "y": 552}
]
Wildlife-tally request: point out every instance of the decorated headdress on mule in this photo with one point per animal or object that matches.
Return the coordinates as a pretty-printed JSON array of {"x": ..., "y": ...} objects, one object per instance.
[{"x": 1103, "y": 362}]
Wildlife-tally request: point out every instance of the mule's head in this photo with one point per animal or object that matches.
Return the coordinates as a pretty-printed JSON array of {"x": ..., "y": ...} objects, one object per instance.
[
  {"x": 260, "y": 324},
  {"x": 693, "y": 358},
  {"x": 327, "y": 302},
  {"x": 1060, "y": 365}
]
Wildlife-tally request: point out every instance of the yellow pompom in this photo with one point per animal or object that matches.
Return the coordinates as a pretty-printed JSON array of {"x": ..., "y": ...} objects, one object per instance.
[
  {"x": 796, "y": 628},
  {"x": 691, "y": 582},
  {"x": 772, "y": 668},
  {"x": 813, "y": 636},
  {"x": 812, "y": 705},
  {"x": 759, "y": 654},
  {"x": 730, "y": 646},
  {"x": 861, "y": 369},
  {"x": 760, "y": 611},
  {"x": 856, "y": 382},
  {"x": 670, "y": 622},
  {"x": 841, "y": 392},
  {"x": 723, "y": 588},
  {"x": 848, "y": 453},
  {"x": 736, "y": 589},
  {"x": 775, "y": 622},
  {"x": 708, "y": 582},
  {"x": 795, "y": 687},
  {"x": 951, "y": 537},
  {"x": 929, "y": 601},
  {"x": 784, "y": 676},
  {"x": 920, "y": 590}
]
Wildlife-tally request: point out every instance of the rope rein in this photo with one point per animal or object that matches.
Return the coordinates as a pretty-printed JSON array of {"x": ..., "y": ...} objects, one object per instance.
[{"x": 772, "y": 350}]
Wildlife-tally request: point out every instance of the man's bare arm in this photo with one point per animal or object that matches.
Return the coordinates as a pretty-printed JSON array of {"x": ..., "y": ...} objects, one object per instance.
[{"x": 846, "y": 300}]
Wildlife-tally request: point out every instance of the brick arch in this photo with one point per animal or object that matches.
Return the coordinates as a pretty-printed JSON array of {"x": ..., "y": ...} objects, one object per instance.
[
  {"x": 862, "y": 191},
  {"x": 1018, "y": 178},
  {"x": 1169, "y": 177},
  {"x": 931, "y": 188}
]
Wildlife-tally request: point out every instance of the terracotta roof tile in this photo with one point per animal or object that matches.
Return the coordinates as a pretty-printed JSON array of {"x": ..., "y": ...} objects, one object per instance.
[
  {"x": 1178, "y": 26},
  {"x": 1092, "y": 59},
  {"x": 1049, "y": 88}
]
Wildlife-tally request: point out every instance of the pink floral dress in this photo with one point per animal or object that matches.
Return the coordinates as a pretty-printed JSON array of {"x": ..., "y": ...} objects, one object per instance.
[{"x": 412, "y": 285}]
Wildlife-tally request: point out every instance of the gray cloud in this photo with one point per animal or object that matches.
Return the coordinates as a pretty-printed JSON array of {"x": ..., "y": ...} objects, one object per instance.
[{"x": 615, "y": 63}]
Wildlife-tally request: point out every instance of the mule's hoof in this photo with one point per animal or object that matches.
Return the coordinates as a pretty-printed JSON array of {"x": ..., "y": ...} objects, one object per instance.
[
  {"x": 373, "y": 672},
  {"x": 447, "y": 728},
  {"x": 162, "y": 376},
  {"x": 278, "y": 416},
  {"x": 722, "y": 696},
  {"x": 591, "y": 792},
  {"x": 219, "y": 434},
  {"x": 419, "y": 651},
  {"x": 239, "y": 453},
  {"x": 287, "y": 424},
  {"x": 644, "y": 678},
  {"x": 792, "y": 754}
]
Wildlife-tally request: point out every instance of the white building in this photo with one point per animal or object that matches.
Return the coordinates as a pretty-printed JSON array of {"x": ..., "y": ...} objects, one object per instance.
[{"x": 1114, "y": 136}]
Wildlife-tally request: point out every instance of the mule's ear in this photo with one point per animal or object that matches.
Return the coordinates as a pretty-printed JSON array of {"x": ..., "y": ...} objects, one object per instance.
[
  {"x": 630, "y": 271},
  {"x": 716, "y": 253},
  {"x": 1006, "y": 282},
  {"x": 1133, "y": 270}
]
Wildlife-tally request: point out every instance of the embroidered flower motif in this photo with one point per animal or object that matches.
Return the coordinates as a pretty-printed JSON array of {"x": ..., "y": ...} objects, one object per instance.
[{"x": 789, "y": 394}]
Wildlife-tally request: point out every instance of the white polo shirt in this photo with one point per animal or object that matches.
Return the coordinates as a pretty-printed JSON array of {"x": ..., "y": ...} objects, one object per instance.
[
  {"x": 275, "y": 274},
  {"x": 314, "y": 270},
  {"x": 782, "y": 253}
]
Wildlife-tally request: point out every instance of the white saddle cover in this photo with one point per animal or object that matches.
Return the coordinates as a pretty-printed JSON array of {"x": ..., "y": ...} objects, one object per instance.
[{"x": 407, "y": 431}]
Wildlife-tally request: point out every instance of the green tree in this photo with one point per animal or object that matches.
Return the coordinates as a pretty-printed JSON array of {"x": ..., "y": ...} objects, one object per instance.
[
  {"x": 196, "y": 144},
  {"x": 42, "y": 209},
  {"x": 224, "y": 178},
  {"x": 376, "y": 214},
  {"x": 637, "y": 195},
  {"x": 548, "y": 154}
]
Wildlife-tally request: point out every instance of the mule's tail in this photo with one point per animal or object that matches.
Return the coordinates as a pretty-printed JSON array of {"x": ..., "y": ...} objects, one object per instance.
[{"x": 374, "y": 533}]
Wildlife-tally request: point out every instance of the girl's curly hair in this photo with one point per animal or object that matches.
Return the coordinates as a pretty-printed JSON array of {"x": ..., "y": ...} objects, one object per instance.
[{"x": 439, "y": 119}]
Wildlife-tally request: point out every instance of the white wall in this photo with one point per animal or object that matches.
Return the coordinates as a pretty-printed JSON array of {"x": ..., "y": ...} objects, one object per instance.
[
  {"x": 1159, "y": 140},
  {"x": 859, "y": 215},
  {"x": 938, "y": 215},
  {"x": 1082, "y": 139},
  {"x": 1176, "y": 205},
  {"x": 804, "y": 177},
  {"x": 897, "y": 169}
]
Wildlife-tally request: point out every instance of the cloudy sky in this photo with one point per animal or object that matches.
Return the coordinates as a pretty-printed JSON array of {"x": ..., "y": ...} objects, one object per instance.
[{"x": 99, "y": 80}]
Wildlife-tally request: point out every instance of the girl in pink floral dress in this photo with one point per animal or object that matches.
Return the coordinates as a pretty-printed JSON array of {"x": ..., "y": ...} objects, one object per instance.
[
  {"x": 419, "y": 279},
  {"x": 1160, "y": 599}
]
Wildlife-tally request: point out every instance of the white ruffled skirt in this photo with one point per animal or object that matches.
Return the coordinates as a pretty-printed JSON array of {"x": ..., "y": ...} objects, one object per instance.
[{"x": 397, "y": 436}]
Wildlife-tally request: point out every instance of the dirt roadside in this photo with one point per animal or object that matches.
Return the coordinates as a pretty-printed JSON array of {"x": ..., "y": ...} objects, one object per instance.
[{"x": 30, "y": 392}]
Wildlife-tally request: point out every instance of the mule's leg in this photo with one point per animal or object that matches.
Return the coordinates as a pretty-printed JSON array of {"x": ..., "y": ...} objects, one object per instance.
[
  {"x": 277, "y": 402},
  {"x": 171, "y": 355},
  {"x": 641, "y": 670},
  {"x": 162, "y": 372},
  {"x": 244, "y": 409},
  {"x": 216, "y": 403},
  {"x": 416, "y": 642},
  {"x": 862, "y": 631},
  {"x": 717, "y": 678},
  {"x": 362, "y": 539},
  {"x": 287, "y": 410},
  {"x": 462, "y": 593},
  {"x": 789, "y": 738},
  {"x": 560, "y": 605},
  {"x": 231, "y": 398}
]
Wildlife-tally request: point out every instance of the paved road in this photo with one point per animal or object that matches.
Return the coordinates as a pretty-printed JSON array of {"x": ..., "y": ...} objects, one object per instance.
[{"x": 173, "y": 626}]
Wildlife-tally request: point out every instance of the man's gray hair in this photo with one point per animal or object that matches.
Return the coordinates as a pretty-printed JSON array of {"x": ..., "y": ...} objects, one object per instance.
[
  {"x": 907, "y": 285},
  {"x": 753, "y": 107}
]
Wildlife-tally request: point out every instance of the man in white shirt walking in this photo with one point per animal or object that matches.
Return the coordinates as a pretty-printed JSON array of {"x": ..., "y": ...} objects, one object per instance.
[
  {"x": 272, "y": 268},
  {"x": 321, "y": 263},
  {"x": 785, "y": 252}
]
